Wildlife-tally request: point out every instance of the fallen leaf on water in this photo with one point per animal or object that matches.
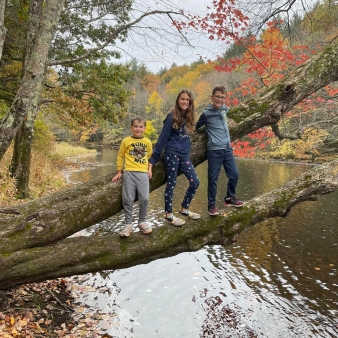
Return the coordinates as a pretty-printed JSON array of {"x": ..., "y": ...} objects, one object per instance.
[{"x": 317, "y": 268}]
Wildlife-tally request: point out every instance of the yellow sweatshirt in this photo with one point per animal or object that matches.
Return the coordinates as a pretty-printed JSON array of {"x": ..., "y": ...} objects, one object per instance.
[{"x": 133, "y": 154}]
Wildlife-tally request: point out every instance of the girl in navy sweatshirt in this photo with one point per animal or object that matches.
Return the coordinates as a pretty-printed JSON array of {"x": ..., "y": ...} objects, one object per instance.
[{"x": 175, "y": 140}]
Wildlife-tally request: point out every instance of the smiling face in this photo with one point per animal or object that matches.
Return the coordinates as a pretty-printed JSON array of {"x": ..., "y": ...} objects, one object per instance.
[
  {"x": 218, "y": 99},
  {"x": 183, "y": 102},
  {"x": 138, "y": 128}
]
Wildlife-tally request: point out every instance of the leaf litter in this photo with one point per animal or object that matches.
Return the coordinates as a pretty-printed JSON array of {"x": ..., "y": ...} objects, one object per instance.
[{"x": 52, "y": 309}]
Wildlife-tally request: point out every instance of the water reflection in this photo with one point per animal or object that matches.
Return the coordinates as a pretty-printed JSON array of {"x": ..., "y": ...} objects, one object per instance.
[{"x": 278, "y": 280}]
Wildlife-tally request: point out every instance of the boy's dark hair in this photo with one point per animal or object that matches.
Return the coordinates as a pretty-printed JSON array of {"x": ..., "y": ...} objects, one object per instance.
[
  {"x": 219, "y": 89},
  {"x": 139, "y": 119}
]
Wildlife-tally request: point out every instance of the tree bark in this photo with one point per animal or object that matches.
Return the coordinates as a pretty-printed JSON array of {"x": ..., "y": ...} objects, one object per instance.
[
  {"x": 21, "y": 159},
  {"x": 28, "y": 97},
  {"x": 3, "y": 29},
  {"x": 23, "y": 141},
  {"x": 25, "y": 257}
]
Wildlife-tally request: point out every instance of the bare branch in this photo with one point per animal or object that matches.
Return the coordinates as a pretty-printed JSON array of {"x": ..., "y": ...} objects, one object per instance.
[{"x": 110, "y": 39}]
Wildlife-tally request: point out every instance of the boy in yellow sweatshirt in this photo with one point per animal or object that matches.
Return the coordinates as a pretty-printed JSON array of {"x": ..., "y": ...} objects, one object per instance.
[{"x": 132, "y": 161}]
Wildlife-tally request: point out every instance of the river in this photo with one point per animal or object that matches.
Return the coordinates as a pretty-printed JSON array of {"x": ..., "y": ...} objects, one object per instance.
[{"x": 278, "y": 281}]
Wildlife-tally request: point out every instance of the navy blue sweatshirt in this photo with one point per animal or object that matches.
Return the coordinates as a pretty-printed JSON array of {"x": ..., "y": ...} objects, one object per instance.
[
  {"x": 175, "y": 141},
  {"x": 215, "y": 121}
]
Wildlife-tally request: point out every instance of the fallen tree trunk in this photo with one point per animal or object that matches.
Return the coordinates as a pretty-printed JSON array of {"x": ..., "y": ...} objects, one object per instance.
[{"x": 78, "y": 255}]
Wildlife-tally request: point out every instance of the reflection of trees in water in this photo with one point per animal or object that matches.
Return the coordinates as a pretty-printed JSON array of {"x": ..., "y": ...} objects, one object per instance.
[{"x": 223, "y": 322}]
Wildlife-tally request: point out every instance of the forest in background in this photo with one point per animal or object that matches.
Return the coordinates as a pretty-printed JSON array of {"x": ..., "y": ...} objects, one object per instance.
[
  {"x": 89, "y": 104},
  {"x": 94, "y": 101}
]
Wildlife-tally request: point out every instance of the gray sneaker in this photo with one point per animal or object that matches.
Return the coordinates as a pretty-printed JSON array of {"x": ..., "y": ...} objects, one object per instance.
[
  {"x": 127, "y": 230},
  {"x": 213, "y": 211}
]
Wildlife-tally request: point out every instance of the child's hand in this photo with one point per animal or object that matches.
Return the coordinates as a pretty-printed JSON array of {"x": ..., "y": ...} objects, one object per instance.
[
  {"x": 117, "y": 177},
  {"x": 150, "y": 173}
]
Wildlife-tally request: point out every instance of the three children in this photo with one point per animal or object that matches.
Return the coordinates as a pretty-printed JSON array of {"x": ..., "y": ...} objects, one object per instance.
[{"x": 136, "y": 159}]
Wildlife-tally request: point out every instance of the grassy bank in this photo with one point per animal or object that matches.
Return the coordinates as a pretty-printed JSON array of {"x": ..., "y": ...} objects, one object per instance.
[
  {"x": 40, "y": 309},
  {"x": 46, "y": 171}
]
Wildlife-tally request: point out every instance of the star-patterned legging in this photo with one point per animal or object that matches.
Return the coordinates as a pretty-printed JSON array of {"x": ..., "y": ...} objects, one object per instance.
[{"x": 173, "y": 163}]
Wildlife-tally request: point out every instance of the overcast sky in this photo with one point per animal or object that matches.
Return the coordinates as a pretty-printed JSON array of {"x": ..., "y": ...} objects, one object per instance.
[{"x": 161, "y": 48}]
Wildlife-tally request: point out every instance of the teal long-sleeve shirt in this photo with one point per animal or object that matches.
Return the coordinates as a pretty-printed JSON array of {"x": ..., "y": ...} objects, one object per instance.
[{"x": 215, "y": 121}]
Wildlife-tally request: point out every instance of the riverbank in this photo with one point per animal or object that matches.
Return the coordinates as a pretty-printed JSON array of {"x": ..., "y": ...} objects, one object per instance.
[{"x": 44, "y": 309}]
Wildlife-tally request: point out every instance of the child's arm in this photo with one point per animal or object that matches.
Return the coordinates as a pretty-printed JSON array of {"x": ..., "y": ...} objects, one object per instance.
[
  {"x": 119, "y": 162},
  {"x": 162, "y": 140},
  {"x": 117, "y": 176},
  {"x": 150, "y": 173},
  {"x": 201, "y": 121},
  {"x": 150, "y": 165}
]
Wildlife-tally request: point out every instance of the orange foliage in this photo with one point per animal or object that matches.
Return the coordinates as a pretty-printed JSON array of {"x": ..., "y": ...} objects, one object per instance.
[
  {"x": 268, "y": 58},
  {"x": 150, "y": 82}
]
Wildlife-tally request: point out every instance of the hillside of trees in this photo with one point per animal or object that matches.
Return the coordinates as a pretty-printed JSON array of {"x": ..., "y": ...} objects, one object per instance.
[{"x": 308, "y": 132}]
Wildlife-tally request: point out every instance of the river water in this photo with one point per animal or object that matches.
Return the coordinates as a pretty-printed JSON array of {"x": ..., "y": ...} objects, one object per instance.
[{"x": 279, "y": 280}]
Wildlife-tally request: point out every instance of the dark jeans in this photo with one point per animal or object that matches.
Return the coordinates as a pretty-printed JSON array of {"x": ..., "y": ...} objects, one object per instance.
[
  {"x": 217, "y": 158},
  {"x": 173, "y": 163}
]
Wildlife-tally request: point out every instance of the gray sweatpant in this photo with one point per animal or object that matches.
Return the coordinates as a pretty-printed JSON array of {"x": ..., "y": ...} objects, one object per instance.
[{"x": 135, "y": 181}]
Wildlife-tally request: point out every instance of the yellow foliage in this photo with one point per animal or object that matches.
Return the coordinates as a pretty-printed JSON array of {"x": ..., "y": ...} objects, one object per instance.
[
  {"x": 174, "y": 72},
  {"x": 205, "y": 68},
  {"x": 202, "y": 98},
  {"x": 7, "y": 183},
  {"x": 155, "y": 100},
  {"x": 3, "y": 108},
  {"x": 64, "y": 149},
  {"x": 151, "y": 132},
  {"x": 155, "y": 105},
  {"x": 272, "y": 36},
  {"x": 323, "y": 19},
  {"x": 315, "y": 136},
  {"x": 292, "y": 149},
  {"x": 190, "y": 80},
  {"x": 11, "y": 69},
  {"x": 286, "y": 149},
  {"x": 45, "y": 172}
]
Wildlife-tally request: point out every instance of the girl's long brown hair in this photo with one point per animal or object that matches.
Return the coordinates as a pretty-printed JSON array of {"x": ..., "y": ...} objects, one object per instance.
[{"x": 190, "y": 116}]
